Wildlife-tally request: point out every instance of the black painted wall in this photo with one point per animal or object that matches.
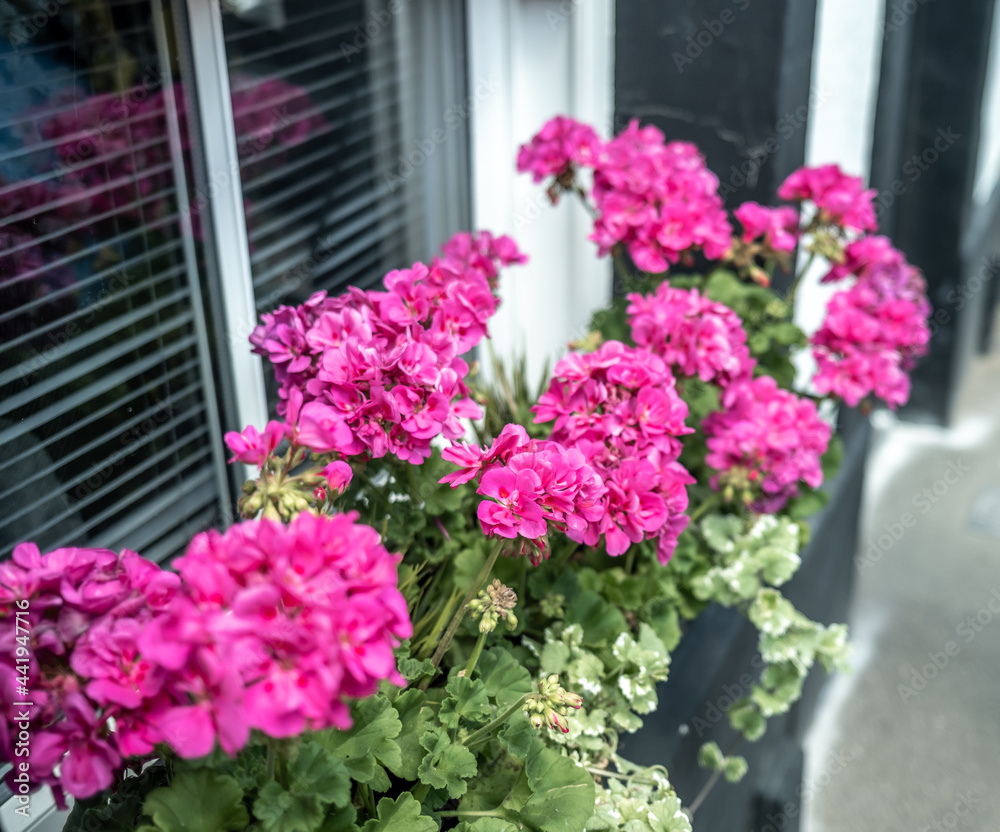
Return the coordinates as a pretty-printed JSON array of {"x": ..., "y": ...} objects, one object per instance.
[
  {"x": 923, "y": 162},
  {"x": 730, "y": 75}
]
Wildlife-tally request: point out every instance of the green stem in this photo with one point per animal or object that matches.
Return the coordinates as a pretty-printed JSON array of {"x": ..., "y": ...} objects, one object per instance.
[
  {"x": 476, "y": 651},
  {"x": 696, "y": 515},
  {"x": 456, "y": 814},
  {"x": 700, "y": 798},
  {"x": 420, "y": 792},
  {"x": 488, "y": 728},
  {"x": 790, "y": 298},
  {"x": 477, "y": 584},
  {"x": 271, "y": 757}
]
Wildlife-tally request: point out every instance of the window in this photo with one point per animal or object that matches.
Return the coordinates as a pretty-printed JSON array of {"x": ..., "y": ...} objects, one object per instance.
[
  {"x": 116, "y": 378},
  {"x": 107, "y": 410}
]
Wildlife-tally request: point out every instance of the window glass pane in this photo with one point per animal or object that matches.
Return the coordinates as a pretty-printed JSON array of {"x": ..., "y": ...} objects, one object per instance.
[
  {"x": 105, "y": 417},
  {"x": 317, "y": 123}
]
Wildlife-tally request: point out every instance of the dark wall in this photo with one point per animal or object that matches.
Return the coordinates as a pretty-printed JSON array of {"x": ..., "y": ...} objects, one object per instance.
[
  {"x": 733, "y": 76},
  {"x": 923, "y": 163},
  {"x": 730, "y": 75}
]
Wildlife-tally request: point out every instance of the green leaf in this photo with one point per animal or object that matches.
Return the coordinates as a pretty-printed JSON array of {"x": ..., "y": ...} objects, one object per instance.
[
  {"x": 562, "y": 793},
  {"x": 805, "y": 504},
  {"x": 415, "y": 719},
  {"x": 601, "y": 621},
  {"x": 744, "y": 717},
  {"x": 834, "y": 456},
  {"x": 341, "y": 820},
  {"x": 370, "y": 741},
  {"x": 517, "y": 736},
  {"x": 198, "y": 802},
  {"x": 554, "y": 656},
  {"x": 506, "y": 680},
  {"x": 447, "y": 764},
  {"x": 787, "y": 334},
  {"x": 721, "y": 530},
  {"x": 486, "y": 825},
  {"x": 400, "y": 815},
  {"x": 734, "y": 769},
  {"x": 281, "y": 811},
  {"x": 315, "y": 770},
  {"x": 466, "y": 701},
  {"x": 711, "y": 756}
]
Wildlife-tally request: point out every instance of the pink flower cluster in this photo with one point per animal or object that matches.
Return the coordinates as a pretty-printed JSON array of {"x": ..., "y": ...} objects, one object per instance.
[
  {"x": 560, "y": 143},
  {"x": 654, "y": 197},
  {"x": 532, "y": 484},
  {"x": 840, "y": 199},
  {"x": 267, "y": 626},
  {"x": 619, "y": 407},
  {"x": 276, "y": 626},
  {"x": 85, "y": 610},
  {"x": 658, "y": 199},
  {"x": 875, "y": 330},
  {"x": 692, "y": 333},
  {"x": 779, "y": 227},
  {"x": 381, "y": 371},
  {"x": 768, "y": 437}
]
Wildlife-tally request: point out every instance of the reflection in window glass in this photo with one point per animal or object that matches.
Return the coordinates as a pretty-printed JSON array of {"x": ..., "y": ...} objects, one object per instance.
[{"x": 104, "y": 424}]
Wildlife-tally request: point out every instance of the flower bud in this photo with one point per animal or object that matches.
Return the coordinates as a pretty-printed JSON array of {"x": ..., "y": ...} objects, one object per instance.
[{"x": 511, "y": 621}]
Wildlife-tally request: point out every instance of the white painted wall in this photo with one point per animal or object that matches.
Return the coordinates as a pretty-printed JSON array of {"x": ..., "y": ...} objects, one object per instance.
[
  {"x": 988, "y": 163},
  {"x": 846, "y": 59},
  {"x": 549, "y": 57}
]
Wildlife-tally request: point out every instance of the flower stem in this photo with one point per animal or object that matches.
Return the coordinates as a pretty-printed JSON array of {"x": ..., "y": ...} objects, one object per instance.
[
  {"x": 790, "y": 297},
  {"x": 476, "y": 651},
  {"x": 700, "y": 798},
  {"x": 477, "y": 584},
  {"x": 696, "y": 515},
  {"x": 488, "y": 728}
]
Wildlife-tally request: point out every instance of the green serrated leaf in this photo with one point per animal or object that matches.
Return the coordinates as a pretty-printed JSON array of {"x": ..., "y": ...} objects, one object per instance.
[
  {"x": 562, "y": 793},
  {"x": 371, "y": 740},
  {"x": 400, "y": 815},
  {"x": 198, "y": 802},
  {"x": 447, "y": 765},
  {"x": 486, "y": 825},
  {"x": 466, "y": 701},
  {"x": 517, "y": 735},
  {"x": 315, "y": 770},
  {"x": 281, "y": 811},
  {"x": 506, "y": 680},
  {"x": 415, "y": 719},
  {"x": 711, "y": 756},
  {"x": 734, "y": 769}
]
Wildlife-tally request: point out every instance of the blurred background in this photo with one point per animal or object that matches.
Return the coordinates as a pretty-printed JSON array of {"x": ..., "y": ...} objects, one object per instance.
[{"x": 171, "y": 168}]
